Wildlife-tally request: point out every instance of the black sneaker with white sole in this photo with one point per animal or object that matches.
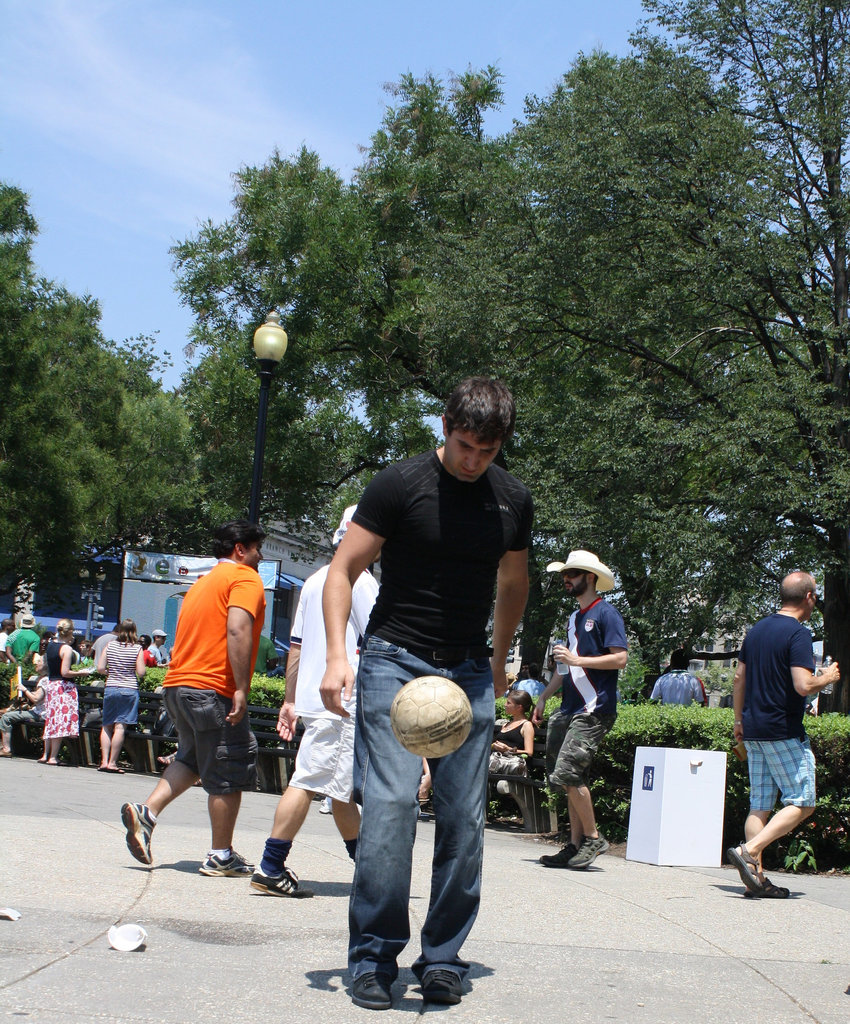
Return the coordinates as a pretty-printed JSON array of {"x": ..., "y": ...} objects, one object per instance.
[{"x": 284, "y": 884}]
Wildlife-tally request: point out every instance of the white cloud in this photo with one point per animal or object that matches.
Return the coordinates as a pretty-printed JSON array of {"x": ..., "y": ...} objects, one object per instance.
[{"x": 162, "y": 103}]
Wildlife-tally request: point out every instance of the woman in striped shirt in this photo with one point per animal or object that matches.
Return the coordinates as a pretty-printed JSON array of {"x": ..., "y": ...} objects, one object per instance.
[{"x": 123, "y": 662}]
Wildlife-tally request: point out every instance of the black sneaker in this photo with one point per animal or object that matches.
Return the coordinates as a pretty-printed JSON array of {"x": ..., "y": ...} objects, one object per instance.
[
  {"x": 441, "y": 986},
  {"x": 136, "y": 819},
  {"x": 561, "y": 859},
  {"x": 587, "y": 853},
  {"x": 284, "y": 884},
  {"x": 372, "y": 991},
  {"x": 235, "y": 864}
]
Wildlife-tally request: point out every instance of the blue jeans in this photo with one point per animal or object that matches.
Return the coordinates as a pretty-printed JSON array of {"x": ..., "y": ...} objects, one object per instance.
[{"x": 386, "y": 780}]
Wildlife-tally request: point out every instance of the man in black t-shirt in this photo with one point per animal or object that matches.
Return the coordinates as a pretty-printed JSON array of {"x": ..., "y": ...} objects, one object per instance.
[{"x": 448, "y": 525}]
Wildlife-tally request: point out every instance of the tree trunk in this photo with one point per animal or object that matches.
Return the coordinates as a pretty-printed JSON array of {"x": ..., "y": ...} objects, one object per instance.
[{"x": 836, "y": 620}]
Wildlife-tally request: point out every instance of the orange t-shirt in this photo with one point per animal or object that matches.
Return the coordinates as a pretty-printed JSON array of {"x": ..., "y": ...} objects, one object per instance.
[{"x": 199, "y": 654}]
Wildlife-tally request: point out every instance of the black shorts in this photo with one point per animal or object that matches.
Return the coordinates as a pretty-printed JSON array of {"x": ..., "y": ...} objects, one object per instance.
[{"x": 225, "y": 756}]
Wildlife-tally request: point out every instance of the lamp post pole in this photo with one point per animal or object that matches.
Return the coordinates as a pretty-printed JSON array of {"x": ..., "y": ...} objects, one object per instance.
[
  {"x": 269, "y": 347},
  {"x": 92, "y": 593}
]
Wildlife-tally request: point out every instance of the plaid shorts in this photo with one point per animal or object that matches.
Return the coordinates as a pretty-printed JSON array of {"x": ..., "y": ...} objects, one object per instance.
[{"x": 781, "y": 766}]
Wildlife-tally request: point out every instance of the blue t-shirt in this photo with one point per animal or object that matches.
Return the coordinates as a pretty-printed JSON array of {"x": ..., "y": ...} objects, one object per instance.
[
  {"x": 773, "y": 710},
  {"x": 533, "y": 687},
  {"x": 592, "y": 632}
]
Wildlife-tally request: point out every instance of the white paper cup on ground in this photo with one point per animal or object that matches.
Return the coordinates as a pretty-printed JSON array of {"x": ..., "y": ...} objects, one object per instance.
[{"x": 127, "y": 938}]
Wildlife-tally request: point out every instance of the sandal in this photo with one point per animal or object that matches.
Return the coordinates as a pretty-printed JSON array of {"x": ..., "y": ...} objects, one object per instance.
[
  {"x": 769, "y": 891},
  {"x": 112, "y": 771},
  {"x": 747, "y": 867}
]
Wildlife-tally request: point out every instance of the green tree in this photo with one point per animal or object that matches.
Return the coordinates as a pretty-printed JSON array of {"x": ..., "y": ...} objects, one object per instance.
[
  {"x": 359, "y": 272},
  {"x": 787, "y": 67},
  {"x": 81, "y": 424}
]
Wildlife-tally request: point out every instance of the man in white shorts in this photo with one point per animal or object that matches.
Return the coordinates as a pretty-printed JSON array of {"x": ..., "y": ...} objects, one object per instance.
[{"x": 325, "y": 762}]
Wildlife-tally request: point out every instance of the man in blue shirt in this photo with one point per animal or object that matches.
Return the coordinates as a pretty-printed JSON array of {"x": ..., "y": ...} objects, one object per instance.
[
  {"x": 529, "y": 681},
  {"x": 775, "y": 674},
  {"x": 678, "y": 685},
  {"x": 587, "y": 669}
]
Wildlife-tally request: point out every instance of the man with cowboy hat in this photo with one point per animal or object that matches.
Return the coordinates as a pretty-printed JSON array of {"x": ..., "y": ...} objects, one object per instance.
[{"x": 588, "y": 666}]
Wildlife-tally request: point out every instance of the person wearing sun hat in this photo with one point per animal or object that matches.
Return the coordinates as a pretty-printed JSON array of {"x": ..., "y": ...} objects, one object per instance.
[
  {"x": 22, "y": 644},
  {"x": 588, "y": 666}
]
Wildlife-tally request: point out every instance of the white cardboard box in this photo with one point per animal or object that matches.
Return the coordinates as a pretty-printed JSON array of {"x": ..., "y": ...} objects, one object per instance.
[{"x": 676, "y": 815}]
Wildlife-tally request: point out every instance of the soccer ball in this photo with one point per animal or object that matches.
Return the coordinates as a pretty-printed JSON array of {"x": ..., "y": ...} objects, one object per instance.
[{"x": 431, "y": 716}]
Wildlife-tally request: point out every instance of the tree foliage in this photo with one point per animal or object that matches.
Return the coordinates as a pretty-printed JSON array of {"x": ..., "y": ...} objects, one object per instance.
[
  {"x": 92, "y": 453},
  {"x": 357, "y": 270},
  {"x": 654, "y": 260}
]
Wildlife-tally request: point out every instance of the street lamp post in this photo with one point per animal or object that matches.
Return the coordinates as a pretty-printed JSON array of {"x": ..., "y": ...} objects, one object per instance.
[
  {"x": 269, "y": 347},
  {"x": 92, "y": 593}
]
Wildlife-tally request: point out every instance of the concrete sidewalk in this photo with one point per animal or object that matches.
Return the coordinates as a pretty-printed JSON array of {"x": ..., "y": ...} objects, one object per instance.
[{"x": 620, "y": 942}]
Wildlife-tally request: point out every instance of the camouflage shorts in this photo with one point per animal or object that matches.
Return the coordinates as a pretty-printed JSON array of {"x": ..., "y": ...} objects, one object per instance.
[{"x": 571, "y": 743}]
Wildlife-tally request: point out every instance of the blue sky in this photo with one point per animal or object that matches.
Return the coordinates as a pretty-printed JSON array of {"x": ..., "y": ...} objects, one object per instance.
[{"x": 125, "y": 120}]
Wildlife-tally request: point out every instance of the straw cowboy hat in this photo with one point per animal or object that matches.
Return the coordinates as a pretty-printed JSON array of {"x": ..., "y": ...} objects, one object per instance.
[{"x": 588, "y": 562}]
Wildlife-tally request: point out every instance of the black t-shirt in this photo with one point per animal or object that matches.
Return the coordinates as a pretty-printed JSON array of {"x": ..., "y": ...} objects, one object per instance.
[
  {"x": 53, "y": 655},
  {"x": 444, "y": 539}
]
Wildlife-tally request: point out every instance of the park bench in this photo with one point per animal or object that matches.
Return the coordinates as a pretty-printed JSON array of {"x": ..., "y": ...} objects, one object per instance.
[
  {"x": 275, "y": 757},
  {"x": 529, "y": 791},
  {"x": 143, "y": 743}
]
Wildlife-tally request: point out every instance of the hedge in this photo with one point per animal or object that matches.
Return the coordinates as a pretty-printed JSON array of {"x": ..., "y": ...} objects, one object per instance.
[
  {"x": 821, "y": 843},
  {"x": 265, "y": 691}
]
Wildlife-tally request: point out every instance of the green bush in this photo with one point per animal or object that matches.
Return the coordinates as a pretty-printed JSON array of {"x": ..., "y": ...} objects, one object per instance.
[
  {"x": 265, "y": 691},
  {"x": 821, "y": 843},
  {"x": 827, "y": 833},
  {"x": 7, "y": 670}
]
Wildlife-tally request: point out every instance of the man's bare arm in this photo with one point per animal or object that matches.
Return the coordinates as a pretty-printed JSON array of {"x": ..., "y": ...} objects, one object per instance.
[
  {"x": 739, "y": 686},
  {"x": 806, "y": 683},
  {"x": 240, "y": 641},
  {"x": 287, "y": 718},
  {"x": 359, "y": 548}
]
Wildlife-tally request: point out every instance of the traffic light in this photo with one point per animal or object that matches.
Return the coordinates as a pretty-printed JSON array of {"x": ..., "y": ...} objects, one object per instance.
[{"x": 96, "y": 616}]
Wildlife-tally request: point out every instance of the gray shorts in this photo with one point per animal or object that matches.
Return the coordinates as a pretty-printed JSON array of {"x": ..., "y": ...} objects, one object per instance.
[
  {"x": 571, "y": 743},
  {"x": 225, "y": 756}
]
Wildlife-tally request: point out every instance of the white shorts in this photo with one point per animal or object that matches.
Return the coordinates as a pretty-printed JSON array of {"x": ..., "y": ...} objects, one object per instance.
[{"x": 325, "y": 761}]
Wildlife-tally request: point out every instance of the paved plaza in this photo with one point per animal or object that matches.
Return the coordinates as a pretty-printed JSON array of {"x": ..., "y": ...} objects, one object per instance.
[{"x": 623, "y": 941}]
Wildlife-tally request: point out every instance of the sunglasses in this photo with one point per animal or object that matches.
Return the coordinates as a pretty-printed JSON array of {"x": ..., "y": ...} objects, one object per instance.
[{"x": 571, "y": 574}]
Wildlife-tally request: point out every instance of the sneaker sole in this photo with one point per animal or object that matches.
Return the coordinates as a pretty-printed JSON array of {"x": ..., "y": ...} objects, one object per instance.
[
  {"x": 225, "y": 872},
  {"x": 582, "y": 867},
  {"x": 135, "y": 835},
  {"x": 294, "y": 894},
  {"x": 441, "y": 994},
  {"x": 372, "y": 1004}
]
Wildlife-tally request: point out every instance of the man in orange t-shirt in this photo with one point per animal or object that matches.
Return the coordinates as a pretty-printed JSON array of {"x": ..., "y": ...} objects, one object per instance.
[{"x": 206, "y": 695}]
